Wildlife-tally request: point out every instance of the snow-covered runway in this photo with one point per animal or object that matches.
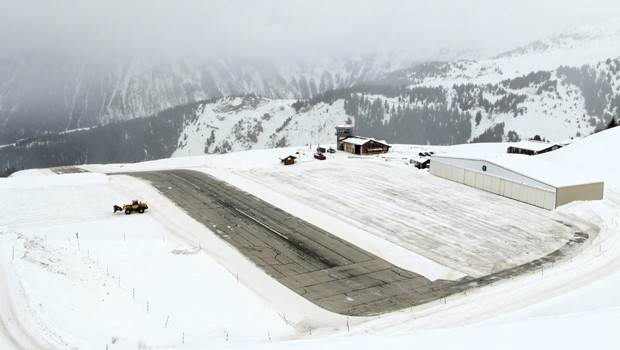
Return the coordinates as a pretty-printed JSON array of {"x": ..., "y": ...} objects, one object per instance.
[
  {"x": 192, "y": 290},
  {"x": 474, "y": 232}
]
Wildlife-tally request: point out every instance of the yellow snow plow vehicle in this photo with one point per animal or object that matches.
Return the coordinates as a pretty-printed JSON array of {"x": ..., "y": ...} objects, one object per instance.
[{"x": 135, "y": 205}]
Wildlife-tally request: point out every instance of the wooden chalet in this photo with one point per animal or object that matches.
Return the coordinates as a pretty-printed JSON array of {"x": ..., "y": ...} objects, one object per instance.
[
  {"x": 532, "y": 148},
  {"x": 363, "y": 145},
  {"x": 288, "y": 160}
]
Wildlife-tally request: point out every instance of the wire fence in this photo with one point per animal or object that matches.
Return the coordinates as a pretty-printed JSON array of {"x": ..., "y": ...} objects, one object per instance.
[{"x": 605, "y": 240}]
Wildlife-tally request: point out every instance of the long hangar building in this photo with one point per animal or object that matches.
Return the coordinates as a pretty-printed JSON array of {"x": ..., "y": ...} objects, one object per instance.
[{"x": 523, "y": 178}]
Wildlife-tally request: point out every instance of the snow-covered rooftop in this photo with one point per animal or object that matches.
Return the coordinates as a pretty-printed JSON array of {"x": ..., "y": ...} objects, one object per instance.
[
  {"x": 420, "y": 159},
  {"x": 536, "y": 146},
  {"x": 358, "y": 140},
  {"x": 535, "y": 168}
]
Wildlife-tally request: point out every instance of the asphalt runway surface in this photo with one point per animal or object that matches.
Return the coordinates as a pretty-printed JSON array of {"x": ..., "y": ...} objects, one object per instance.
[
  {"x": 68, "y": 170},
  {"x": 319, "y": 266}
]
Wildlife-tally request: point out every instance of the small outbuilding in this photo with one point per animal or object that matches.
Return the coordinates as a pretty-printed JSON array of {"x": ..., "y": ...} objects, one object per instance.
[
  {"x": 527, "y": 179},
  {"x": 421, "y": 162},
  {"x": 532, "y": 148},
  {"x": 364, "y": 145},
  {"x": 288, "y": 160}
]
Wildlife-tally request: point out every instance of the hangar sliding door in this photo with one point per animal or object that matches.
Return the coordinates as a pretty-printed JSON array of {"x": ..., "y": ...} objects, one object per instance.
[{"x": 518, "y": 191}]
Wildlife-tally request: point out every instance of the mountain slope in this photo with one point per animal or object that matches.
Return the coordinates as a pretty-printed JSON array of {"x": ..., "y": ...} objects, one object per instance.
[
  {"x": 437, "y": 103},
  {"x": 218, "y": 126},
  {"x": 241, "y": 123},
  {"x": 51, "y": 93},
  {"x": 583, "y": 45},
  {"x": 559, "y": 105}
]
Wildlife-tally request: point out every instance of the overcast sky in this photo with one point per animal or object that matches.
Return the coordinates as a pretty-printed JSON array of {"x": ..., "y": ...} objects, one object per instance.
[{"x": 274, "y": 28}]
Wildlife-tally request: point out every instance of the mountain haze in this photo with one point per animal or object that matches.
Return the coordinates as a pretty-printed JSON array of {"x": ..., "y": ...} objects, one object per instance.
[
  {"x": 556, "y": 89},
  {"x": 41, "y": 94}
]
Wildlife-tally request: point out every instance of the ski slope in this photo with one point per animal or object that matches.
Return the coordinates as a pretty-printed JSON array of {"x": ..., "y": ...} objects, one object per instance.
[{"x": 75, "y": 275}]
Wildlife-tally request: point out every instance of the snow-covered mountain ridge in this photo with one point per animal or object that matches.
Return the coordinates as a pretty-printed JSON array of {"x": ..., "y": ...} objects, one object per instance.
[
  {"x": 583, "y": 45},
  {"x": 234, "y": 124},
  {"x": 52, "y": 93},
  {"x": 41, "y": 94},
  {"x": 533, "y": 91},
  {"x": 555, "y": 106}
]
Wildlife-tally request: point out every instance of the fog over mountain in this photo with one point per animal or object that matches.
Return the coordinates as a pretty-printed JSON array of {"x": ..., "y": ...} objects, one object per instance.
[
  {"x": 68, "y": 65},
  {"x": 276, "y": 29}
]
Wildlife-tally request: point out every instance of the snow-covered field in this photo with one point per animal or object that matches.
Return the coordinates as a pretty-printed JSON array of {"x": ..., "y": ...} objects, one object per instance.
[{"x": 75, "y": 276}]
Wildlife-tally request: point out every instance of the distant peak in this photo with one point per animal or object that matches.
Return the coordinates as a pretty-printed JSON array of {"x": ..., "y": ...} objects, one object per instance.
[{"x": 580, "y": 37}]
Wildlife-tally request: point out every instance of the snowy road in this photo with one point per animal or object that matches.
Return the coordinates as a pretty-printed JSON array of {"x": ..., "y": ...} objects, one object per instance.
[{"x": 13, "y": 333}]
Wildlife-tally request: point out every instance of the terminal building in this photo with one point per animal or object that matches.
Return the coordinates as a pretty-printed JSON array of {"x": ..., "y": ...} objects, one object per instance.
[
  {"x": 346, "y": 141},
  {"x": 364, "y": 146},
  {"x": 523, "y": 178}
]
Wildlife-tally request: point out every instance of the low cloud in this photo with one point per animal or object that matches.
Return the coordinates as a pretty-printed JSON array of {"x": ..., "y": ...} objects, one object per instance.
[{"x": 281, "y": 29}]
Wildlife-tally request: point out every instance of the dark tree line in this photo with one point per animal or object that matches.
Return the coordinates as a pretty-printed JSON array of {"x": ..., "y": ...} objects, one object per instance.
[
  {"x": 534, "y": 78},
  {"x": 470, "y": 96},
  {"x": 432, "y": 123},
  {"x": 418, "y": 73},
  {"x": 601, "y": 103},
  {"x": 594, "y": 88},
  {"x": 7, "y": 172},
  {"x": 135, "y": 140},
  {"x": 492, "y": 134},
  {"x": 612, "y": 124},
  {"x": 329, "y": 97}
]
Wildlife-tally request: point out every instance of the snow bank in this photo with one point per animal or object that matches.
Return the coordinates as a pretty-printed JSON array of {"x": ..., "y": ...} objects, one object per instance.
[
  {"x": 32, "y": 181},
  {"x": 595, "y": 155}
]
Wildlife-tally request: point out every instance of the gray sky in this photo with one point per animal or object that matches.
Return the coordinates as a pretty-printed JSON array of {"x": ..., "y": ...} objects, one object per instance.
[{"x": 279, "y": 28}]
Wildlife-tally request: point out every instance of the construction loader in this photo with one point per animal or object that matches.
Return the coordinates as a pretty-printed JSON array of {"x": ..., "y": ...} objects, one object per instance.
[{"x": 135, "y": 205}]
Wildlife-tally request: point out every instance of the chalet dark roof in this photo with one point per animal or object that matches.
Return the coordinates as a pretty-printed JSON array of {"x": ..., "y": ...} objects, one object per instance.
[{"x": 535, "y": 146}]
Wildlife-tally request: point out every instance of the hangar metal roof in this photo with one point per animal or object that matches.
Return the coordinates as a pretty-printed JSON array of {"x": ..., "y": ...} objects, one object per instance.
[{"x": 533, "y": 167}]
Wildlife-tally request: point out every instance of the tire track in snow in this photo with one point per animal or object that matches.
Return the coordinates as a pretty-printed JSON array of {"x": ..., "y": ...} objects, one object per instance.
[
  {"x": 326, "y": 270},
  {"x": 11, "y": 325},
  {"x": 467, "y": 230}
]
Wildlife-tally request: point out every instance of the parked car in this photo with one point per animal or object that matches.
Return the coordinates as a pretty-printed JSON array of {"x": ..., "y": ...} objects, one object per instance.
[
  {"x": 319, "y": 156},
  {"x": 331, "y": 150}
]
